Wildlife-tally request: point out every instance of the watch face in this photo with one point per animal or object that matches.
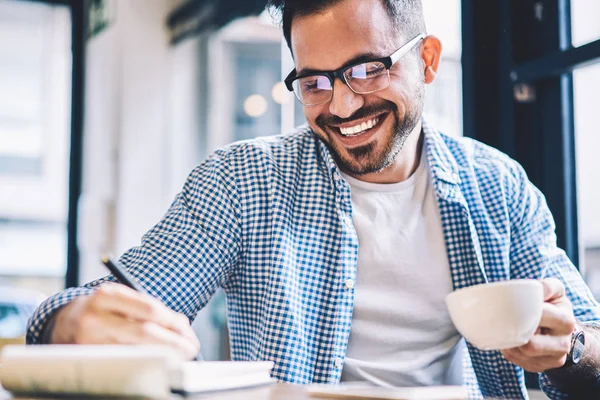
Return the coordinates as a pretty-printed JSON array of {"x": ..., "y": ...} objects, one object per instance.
[{"x": 578, "y": 346}]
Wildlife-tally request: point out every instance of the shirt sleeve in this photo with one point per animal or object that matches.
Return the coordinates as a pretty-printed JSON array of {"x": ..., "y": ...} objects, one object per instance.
[
  {"x": 535, "y": 254},
  {"x": 184, "y": 258}
]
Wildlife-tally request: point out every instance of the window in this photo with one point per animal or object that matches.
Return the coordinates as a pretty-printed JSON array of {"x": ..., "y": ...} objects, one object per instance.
[
  {"x": 528, "y": 90},
  {"x": 586, "y": 89},
  {"x": 443, "y": 98},
  {"x": 586, "y": 85},
  {"x": 258, "y": 94},
  {"x": 35, "y": 82},
  {"x": 584, "y": 21},
  {"x": 247, "y": 103}
]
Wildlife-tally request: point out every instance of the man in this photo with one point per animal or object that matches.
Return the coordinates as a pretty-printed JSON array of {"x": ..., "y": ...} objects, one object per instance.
[{"x": 366, "y": 219}]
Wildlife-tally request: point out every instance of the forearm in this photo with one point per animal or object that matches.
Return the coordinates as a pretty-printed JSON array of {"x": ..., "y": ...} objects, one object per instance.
[{"x": 581, "y": 380}]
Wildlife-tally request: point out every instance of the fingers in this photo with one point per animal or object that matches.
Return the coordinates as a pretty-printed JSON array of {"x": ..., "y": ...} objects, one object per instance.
[
  {"x": 545, "y": 346},
  {"x": 558, "y": 320},
  {"x": 119, "y": 299},
  {"x": 536, "y": 364},
  {"x": 151, "y": 333},
  {"x": 557, "y": 316},
  {"x": 541, "y": 353},
  {"x": 117, "y": 314},
  {"x": 553, "y": 289},
  {"x": 552, "y": 341},
  {"x": 115, "y": 329}
]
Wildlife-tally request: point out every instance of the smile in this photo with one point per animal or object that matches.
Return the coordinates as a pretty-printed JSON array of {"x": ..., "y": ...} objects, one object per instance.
[{"x": 359, "y": 128}]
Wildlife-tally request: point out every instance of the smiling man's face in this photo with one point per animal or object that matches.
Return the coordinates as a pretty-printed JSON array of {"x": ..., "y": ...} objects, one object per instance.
[{"x": 327, "y": 41}]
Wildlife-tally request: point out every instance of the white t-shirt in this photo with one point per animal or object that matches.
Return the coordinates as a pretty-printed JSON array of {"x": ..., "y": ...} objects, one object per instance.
[{"x": 401, "y": 333}]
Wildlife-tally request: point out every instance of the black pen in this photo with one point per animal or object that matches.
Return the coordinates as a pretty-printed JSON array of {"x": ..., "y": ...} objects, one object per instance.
[
  {"x": 126, "y": 279},
  {"x": 122, "y": 275}
]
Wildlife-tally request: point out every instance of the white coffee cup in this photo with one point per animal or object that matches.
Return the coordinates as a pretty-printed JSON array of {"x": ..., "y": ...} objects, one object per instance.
[{"x": 500, "y": 315}]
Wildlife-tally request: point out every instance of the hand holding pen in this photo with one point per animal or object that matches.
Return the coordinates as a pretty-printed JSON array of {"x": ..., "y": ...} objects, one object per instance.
[{"x": 123, "y": 314}]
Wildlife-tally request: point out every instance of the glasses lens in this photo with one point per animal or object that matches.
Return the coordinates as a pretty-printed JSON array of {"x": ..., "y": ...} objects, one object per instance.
[
  {"x": 314, "y": 89},
  {"x": 367, "y": 77}
]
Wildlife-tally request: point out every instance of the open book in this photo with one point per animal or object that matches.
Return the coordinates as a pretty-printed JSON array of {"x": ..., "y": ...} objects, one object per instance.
[{"x": 140, "y": 371}]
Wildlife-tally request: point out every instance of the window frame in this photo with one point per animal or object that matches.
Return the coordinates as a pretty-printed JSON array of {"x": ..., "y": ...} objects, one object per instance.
[
  {"x": 78, "y": 10},
  {"x": 518, "y": 60}
]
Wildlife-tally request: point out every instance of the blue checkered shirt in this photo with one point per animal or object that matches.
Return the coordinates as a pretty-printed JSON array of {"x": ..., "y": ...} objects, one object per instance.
[{"x": 270, "y": 221}]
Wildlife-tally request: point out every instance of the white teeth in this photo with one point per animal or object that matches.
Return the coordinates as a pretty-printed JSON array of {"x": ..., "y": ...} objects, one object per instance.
[{"x": 354, "y": 130}]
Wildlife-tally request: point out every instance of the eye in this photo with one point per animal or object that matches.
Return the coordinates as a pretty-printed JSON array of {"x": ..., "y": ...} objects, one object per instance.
[
  {"x": 375, "y": 69},
  {"x": 309, "y": 85},
  {"x": 366, "y": 70},
  {"x": 314, "y": 83}
]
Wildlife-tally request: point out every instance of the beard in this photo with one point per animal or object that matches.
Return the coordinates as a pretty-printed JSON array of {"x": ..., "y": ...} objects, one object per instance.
[{"x": 381, "y": 152}]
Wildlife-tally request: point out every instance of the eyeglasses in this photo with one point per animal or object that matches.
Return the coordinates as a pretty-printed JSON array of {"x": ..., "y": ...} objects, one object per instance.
[{"x": 316, "y": 88}]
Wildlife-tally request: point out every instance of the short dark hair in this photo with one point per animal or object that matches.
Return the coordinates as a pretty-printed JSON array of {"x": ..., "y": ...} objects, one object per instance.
[{"x": 406, "y": 14}]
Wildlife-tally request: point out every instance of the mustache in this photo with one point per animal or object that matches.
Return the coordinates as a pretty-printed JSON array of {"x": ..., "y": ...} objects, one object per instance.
[{"x": 364, "y": 112}]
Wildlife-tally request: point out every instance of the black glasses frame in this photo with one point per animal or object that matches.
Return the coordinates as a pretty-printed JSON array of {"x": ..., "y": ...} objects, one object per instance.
[{"x": 339, "y": 73}]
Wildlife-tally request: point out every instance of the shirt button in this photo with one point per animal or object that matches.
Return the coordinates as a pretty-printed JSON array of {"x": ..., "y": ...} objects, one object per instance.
[
  {"x": 348, "y": 221},
  {"x": 349, "y": 284},
  {"x": 338, "y": 362}
]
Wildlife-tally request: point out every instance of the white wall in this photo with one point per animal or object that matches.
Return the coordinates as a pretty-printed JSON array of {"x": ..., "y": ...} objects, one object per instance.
[
  {"x": 141, "y": 129},
  {"x": 101, "y": 133},
  {"x": 143, "y": 168},
  {"x": 141, "y": 135}
]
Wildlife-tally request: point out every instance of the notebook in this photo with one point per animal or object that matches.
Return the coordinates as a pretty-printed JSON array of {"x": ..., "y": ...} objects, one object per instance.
[{"x": 139, "y": 371}]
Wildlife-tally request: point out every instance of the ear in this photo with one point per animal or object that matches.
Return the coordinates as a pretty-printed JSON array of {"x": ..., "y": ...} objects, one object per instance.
[{"x": 432, "y": 54}]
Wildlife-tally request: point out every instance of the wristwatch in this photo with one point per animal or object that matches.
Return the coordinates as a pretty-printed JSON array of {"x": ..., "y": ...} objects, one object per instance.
[{"x": 577, "y": 347}]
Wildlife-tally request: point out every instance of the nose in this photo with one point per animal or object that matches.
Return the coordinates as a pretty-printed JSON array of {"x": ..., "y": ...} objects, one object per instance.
[{"x": 344, "y": 101}]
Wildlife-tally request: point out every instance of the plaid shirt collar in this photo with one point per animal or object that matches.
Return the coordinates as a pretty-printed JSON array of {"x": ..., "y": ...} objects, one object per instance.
[{"x": 442, "y": 164}]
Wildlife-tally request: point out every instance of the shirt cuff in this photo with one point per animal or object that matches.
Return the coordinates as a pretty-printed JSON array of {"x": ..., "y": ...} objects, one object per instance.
[{"x": 48, "y": 330}]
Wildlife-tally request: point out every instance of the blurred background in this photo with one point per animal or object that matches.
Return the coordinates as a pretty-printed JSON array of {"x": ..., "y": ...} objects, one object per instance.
[{"x": 107, "y": 105}]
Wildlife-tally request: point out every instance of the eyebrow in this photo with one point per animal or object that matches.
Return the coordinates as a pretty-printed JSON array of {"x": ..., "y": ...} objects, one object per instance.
[{"x": 353, "y": 61}]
